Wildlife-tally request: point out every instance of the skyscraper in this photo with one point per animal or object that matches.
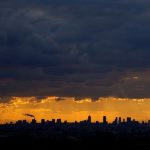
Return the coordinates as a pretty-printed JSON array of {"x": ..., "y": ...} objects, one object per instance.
[
  {"x": 42, "y": 121},
  {"x": 58, "y": 121},
  {"x": 89, "y": 119},
  {"x": 104, "y": 120},
  {"x": 33, "y": 121},
  {"x": 128, "y": 119},
  {"x": 53, "y": 120},
  {"x": 119, "y": 120}
]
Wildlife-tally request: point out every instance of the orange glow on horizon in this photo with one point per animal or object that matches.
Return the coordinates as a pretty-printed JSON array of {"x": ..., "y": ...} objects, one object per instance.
[{"x": 69, "y": 109}]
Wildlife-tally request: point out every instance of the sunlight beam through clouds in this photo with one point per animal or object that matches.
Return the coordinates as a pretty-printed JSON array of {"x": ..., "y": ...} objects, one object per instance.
[{"x": 71, "y": 109}]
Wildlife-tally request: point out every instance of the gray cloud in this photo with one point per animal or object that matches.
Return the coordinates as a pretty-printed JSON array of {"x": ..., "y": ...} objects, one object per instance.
[{"x": 74, "y": 48}]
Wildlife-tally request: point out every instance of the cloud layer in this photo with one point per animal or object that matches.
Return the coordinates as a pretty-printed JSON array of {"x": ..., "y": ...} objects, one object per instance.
[{"x": 81, "y": 48}]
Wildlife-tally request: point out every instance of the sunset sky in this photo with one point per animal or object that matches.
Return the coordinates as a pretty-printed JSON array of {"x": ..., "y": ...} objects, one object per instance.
[
  {"x": 71, "y": 58},
  {"x": 70, "y": 109}
]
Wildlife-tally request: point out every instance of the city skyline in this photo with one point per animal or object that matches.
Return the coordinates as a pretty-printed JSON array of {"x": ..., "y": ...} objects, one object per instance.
[
  {"x": 128, "y": 133},
  {"x": 117, "y": 120},
  {"x": 103, "y": 120},
  {"x": 71, "y": 109}
]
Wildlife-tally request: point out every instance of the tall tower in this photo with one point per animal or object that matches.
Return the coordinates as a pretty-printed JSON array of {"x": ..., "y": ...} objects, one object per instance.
[
  {"x": 120, "y": 120},
  {"x": 89, "y": 119},
  {"x": 104, "y": 120}
]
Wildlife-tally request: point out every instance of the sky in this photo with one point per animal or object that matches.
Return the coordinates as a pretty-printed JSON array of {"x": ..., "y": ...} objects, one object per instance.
[
  {"x": 71, "y": 110},
  {"x": 74, "y": 48}
]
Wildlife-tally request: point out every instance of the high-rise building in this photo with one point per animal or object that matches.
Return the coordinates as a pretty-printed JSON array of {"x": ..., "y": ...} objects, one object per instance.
[
  {"x": 104, "y": 120},
  {"x": 33, "y": 121},
  {"x": 119, "y": 120},
  {"x": 76, "y": 122},
  {"x": 58, "y": 121},
  {"x": 116, "y": 120},
  {"x": 128, "y": 119},
  {"x": 42, "y": 121},
  {"x": 65, "y": 122},
  {"x": 124, "y": 120},
  {"x": 53, "y": 120},
  {"x": 89, "y": 119},
  {"x": 19, "y": 122},
  {"x": 24, "y": 121}
]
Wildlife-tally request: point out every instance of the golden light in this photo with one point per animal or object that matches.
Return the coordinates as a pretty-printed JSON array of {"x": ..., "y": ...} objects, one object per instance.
[{"x": 71, "y": 109}]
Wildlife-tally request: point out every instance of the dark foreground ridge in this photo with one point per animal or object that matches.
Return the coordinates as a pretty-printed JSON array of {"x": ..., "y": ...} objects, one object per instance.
[{"x": 120, "y": 134}]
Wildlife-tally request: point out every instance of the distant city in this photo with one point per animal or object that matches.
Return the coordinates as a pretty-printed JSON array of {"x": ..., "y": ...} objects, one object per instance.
[
  {"x": 117, "y": 120},
  {"x": 56, "y": 132}
]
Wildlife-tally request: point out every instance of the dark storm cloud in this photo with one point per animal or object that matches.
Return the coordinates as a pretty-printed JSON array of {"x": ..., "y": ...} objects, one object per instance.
[{"x": 74, "y": 48}]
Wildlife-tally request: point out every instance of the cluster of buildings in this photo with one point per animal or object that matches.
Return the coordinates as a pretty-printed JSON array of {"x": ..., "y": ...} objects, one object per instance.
[
  {"x": 117, "y": 120},
  {"x": 56, "y": 128}
]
